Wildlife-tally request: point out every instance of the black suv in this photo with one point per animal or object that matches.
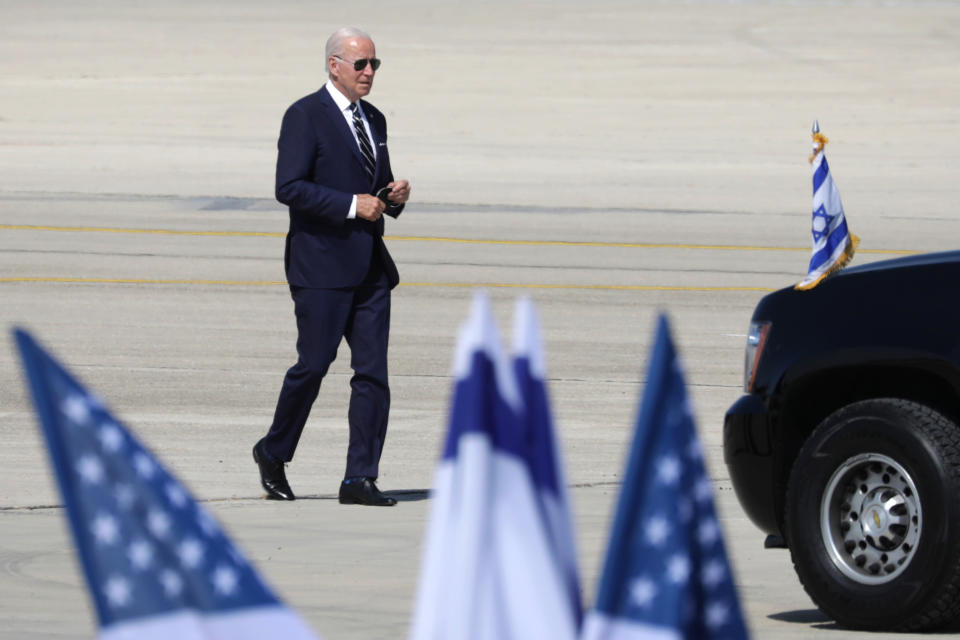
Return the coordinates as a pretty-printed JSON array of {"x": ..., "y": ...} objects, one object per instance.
[{"x": 846, "y": 447}]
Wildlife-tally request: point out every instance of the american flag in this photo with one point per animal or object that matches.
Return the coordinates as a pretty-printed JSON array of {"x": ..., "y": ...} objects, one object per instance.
[
  {"x": 666, "y": 574},
  {"x": 157, "y": 563}
]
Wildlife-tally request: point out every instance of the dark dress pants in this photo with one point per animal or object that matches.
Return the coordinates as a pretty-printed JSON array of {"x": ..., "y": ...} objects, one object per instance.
[{"x": 324, "y": 316}]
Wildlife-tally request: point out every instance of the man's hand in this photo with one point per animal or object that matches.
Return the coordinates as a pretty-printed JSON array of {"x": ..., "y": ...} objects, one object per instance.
[
  {"x": 399, "y": 191},
  {"x": 369, "y": 207}
]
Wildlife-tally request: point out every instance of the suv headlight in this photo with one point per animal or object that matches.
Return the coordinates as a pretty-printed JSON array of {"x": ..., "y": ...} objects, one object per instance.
[{"x": 756, "y": 340}]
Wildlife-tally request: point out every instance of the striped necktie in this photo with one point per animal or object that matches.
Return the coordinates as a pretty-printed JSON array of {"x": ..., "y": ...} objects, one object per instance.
[{"x": 366, "y": 149}]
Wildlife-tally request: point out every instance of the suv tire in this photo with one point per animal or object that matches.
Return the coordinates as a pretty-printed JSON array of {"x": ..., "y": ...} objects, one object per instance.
[{"x": 873, "y": 516}]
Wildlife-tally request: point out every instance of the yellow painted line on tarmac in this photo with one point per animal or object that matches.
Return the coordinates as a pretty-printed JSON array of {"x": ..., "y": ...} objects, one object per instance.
[
  {"x": 535, "y": 243},
  {"x": 171, "y": 232},
  {"x": 631, "y": 245},
  {"x": 66, "y": 280},
  {"x": 449, "y": 285},
  {"x": 598, "y": 287}
]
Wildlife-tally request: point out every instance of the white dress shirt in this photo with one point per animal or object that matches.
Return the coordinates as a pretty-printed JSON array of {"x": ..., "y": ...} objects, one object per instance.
[{"x": 343, "y": 103}]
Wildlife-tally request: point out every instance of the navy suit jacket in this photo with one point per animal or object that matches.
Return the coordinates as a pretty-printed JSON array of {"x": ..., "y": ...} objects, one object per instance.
[{"x": 319, "y": 169}]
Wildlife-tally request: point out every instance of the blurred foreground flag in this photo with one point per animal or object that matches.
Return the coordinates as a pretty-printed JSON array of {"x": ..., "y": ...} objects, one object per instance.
[
  {"x": 488, "y": 569},
  {"x": 543, "y": 451},
  {"x": 833, "y": 244},
  {"x": 157, "y": 564},
  {"x": 666, "y": 575}
]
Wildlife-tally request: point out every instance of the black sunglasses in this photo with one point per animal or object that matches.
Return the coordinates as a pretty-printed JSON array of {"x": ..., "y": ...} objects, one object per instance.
[{"x": 361, "y": 64}]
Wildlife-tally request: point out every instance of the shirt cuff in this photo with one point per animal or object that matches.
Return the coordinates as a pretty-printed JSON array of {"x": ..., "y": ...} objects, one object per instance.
[{"x": 352, "y": 213}]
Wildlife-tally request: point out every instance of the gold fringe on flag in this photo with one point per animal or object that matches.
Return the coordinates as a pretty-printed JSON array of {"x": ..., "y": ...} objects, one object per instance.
[{"x": 839, "y": 264}]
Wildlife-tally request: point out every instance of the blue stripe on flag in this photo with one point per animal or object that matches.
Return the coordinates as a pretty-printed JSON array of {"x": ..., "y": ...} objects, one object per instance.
[
  {"x": 478, "y": 407},
  {"x": 838, "y": 237},
  {"x": 543, "y": 447},
  {"x": 821, "y": 173},
  {"x": 539, "y": 427}
]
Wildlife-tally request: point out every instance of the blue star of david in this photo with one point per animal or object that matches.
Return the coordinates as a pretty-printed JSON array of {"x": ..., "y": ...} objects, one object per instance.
[{"x": 821, "y": 212}]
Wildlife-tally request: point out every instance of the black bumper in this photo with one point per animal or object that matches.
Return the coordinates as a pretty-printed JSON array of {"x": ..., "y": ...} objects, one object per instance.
[{"x": 750, "y": 459}]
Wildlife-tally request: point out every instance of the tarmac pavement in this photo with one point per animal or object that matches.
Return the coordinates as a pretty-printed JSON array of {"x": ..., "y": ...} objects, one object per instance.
[{"x": 611, "y": 160}]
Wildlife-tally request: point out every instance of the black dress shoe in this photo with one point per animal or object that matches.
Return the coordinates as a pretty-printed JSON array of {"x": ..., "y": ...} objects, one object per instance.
[
  {"x": 272, "y": 477},
  {"x": 364, "y": 491}
]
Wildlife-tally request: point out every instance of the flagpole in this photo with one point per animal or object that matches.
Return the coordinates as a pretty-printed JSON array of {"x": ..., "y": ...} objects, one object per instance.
[{"x": 819, "y": 140}]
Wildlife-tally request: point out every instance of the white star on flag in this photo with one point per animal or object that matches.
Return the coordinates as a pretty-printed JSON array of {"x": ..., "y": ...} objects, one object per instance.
[
  {"x": 678, "y": 569},
  {"x": 190, "y": 552},
  {"x": 104, "y": 528},
  {"x": 668, "y": 470},
  {"x": 75, "y": 407},
  {"x": 90, "y": 469},
  {"x": 118, "y": 591},
  {"x": 642, "y": 591},
  {"x": 140, "y": 554},
  {"x": 144, "y": 466},
  {"x": 657, "y": 530},
  {"x": 224, "y": 580},
  {"x": 176, "y": 494},
  {"x": 111, "y": 437},
  {"x": 717, "y": 615},
  {"x": 714, "y": 572},
  {"x": 708, "y": 532},
  {"x": 172, "y": 583},
  {"x": 159, "y": 523}
]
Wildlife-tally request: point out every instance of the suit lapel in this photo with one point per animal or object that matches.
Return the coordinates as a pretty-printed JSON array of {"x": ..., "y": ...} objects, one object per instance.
[{"x": 340, "y": 124}]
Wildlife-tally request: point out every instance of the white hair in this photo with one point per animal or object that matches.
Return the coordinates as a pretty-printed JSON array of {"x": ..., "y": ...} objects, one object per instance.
[{"x": 338, "y": 38}]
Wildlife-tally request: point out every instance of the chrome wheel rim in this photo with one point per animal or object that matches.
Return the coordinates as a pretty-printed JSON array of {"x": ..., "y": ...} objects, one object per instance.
[{"x": 870, "y": 518}]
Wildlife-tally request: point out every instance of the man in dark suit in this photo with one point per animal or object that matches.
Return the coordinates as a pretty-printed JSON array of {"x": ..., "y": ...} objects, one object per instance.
[{"x": 333, "y": 171}]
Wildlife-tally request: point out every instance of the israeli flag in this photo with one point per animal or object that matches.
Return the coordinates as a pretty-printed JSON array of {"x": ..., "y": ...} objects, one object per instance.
[
  {"x": 156, "y": 562},
  {"x": 488, "y": 569},
  {"x": 833, "y": 244},
  {"x": 543, "y": 449}
]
